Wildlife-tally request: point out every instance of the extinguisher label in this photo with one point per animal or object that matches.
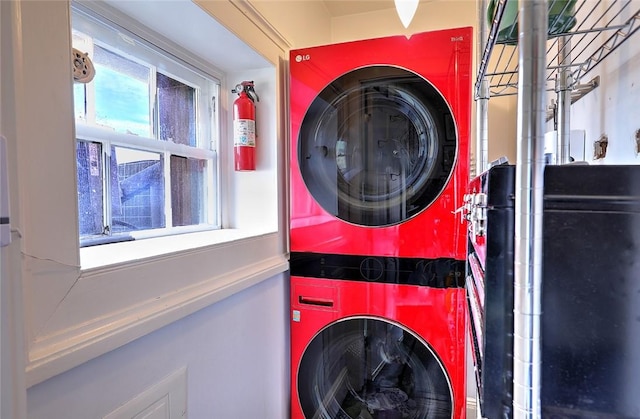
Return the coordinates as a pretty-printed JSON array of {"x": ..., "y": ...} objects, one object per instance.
[{"x": 244, "y": 133}]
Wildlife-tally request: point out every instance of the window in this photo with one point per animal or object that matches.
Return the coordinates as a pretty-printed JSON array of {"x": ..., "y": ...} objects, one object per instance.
[{"x": 146, "y": 128}]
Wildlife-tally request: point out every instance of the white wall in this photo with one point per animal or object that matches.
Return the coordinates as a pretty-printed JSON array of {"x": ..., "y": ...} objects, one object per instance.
[
  {"x": 303, "y": 23},
  {"x": 612, "y": 108},
  {"x": 235, "y": 353},
  {"x": 430, "y": 15},
  {"x": 502, "y": 127}
]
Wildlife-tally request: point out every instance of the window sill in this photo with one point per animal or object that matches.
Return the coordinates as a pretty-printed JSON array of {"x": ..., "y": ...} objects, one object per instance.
[
  {"x": 108, "y": 306},
  {"x": 144, "y": 250}
]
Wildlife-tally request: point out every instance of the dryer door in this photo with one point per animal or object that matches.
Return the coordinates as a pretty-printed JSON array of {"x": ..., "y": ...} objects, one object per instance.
[
  {"x": 377, "y": 146},
  {"x": 370, "y": 368}
]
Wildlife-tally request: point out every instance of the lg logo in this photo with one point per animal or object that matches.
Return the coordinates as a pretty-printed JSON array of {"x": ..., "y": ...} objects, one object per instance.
[{"x": 301, "y": 58}]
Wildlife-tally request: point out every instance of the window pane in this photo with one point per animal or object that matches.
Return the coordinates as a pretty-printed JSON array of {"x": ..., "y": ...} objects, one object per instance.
[
  {"x": 187, "y": 190},
  {"x": 122, "y": 93},
  {"x": 79, "y": 101},
  {"x": 90, "y": 187},
  {"x": 137, "y": 190},
  {"x": 176, "y": 109},
  {"x": 141, "y": 91}
]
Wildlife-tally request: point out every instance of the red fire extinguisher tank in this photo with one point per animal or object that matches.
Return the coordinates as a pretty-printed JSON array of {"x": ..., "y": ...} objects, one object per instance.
[{"x": 244, "y": 127}]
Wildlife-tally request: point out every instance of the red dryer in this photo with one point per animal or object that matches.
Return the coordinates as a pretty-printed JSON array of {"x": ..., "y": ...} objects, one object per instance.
[
  {"x": 380, "y": 145},
  {"x": 379, "y": 165}
]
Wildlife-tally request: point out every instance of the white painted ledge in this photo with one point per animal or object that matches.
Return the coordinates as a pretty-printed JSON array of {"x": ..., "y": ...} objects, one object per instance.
[
  {"x": 110, "y": 307},
  {"x": 117, "y": 254}
]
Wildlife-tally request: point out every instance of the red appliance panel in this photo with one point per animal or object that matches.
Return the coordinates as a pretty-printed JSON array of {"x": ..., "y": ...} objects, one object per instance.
[
  {"x": 436, "y": 315},
  {"x": 443, "y": 60}
]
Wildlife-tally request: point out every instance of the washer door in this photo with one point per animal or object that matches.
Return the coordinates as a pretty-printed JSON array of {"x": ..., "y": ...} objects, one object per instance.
[
  {"x": 377, "y": 146},
  {"x": 366, "y": 368}
]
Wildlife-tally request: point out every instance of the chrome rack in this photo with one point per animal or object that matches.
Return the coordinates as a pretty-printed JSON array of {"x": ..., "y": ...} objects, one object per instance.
[
  {"x": 602, "y": 26},
  {"x": 555, "y": 63}
]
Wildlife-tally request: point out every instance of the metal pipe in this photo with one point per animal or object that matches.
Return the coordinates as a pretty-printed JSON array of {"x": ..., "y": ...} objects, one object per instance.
[
  {"x": 491, "y": 40},
  {"x": 563, "y": 89},
  {"x": 482, "y": 128},
  {"x": 482, "y": 102},
  {"x": 528, "y": 207}
]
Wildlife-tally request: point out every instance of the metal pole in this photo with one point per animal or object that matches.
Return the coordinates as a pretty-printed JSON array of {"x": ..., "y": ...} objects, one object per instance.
[
  {"x": 482, "y": 128},
  {"x": 563, "y": 90},
  {"x": 528, "y": 207},
  {"x": 482, "y": 102}
]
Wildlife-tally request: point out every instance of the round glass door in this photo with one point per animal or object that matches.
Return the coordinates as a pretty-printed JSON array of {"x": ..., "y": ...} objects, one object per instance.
[
  {"x": 366, "y": 368},
  {"x": 377, "y": 146}
]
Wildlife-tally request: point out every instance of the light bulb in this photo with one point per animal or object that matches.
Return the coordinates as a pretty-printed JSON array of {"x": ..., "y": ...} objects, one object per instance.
[{"x": 406, "y": 10}]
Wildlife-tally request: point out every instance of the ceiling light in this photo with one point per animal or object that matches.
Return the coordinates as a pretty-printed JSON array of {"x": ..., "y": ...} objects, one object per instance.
[{"x": 406, "y": 10}]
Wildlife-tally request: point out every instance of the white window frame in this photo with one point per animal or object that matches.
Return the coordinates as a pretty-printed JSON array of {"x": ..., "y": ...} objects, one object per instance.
[
  {"x": 120, "y": 41},
  {"x": 74, "y": 312}
]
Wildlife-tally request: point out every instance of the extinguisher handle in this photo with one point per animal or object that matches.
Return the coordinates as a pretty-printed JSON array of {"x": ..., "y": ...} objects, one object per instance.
[
  {"x": 246, "y": 87},
  {"x": 252, "y": 93}
]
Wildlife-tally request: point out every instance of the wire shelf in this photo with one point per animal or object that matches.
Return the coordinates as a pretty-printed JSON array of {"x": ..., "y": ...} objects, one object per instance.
[{"x": 601, "y": 26}]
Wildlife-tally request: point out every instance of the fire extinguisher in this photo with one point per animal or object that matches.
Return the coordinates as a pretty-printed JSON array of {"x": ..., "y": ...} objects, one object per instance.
[{"x": 244, "y": 126}]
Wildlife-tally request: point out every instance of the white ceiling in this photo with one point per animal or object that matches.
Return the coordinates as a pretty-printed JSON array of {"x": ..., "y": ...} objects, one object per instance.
[
  {"x": 200, "y": 36},
  {"x": 339, "y": 8},
  {"x": 161, "y": 16}
]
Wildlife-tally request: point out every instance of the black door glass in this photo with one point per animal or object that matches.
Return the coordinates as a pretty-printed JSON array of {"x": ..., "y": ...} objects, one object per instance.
[
  {"x": 369, "y": 368},
  {"x": 377, "y": 146}
]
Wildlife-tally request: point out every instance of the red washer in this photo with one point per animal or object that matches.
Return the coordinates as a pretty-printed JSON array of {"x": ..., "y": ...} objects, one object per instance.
[
  {"x": 371, "y": 350},
  {"x": 380, "y": 142}
]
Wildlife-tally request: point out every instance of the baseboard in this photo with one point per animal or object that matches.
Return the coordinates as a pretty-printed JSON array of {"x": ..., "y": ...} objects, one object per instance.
[{"x": 472, "y": 405}]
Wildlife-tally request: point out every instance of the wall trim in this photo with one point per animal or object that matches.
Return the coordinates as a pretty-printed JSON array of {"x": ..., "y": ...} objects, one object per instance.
[
  {"x": 168, "y": 396},
  {"x": 58, "y": 352},
  {"x": 244, "y": 21},
  {"x": 249, "y": 10}
]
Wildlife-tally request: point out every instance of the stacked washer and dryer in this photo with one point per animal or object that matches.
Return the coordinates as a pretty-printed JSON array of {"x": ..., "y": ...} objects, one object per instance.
[{"x": 379, "y": 165}]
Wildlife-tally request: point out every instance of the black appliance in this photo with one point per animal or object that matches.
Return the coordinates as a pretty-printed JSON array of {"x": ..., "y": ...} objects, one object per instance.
[{"x": 590, "y": 324}]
